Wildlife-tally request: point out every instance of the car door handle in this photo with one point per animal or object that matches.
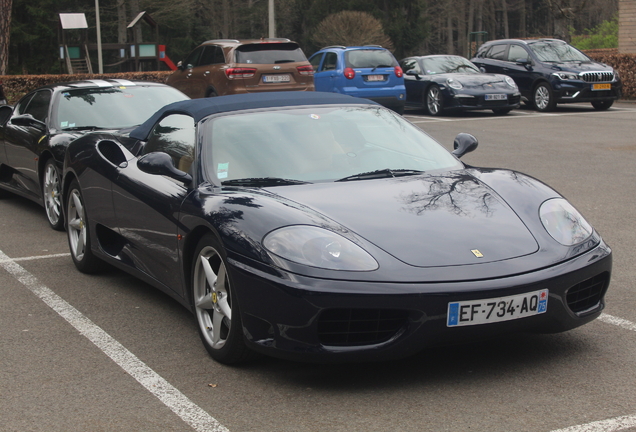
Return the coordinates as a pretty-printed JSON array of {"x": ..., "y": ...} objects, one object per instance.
[
  {"x": 188, "y": 75},
  {"x": 206, "y": 73}
]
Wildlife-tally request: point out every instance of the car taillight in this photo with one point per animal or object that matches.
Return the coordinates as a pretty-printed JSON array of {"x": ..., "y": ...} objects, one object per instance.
[
  {"x": 305, "y": 70},
  {"x": 240, "y": 72},
  {"x": 349, "y": 73},
  {"x": 398, "y": 72}
]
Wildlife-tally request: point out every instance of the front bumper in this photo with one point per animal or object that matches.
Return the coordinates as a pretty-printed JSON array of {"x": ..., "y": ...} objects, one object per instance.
[
  {"x": 466, "y": 102},
  {"x": 580, "y": 91},
  {"x": 301, "y": 318}
]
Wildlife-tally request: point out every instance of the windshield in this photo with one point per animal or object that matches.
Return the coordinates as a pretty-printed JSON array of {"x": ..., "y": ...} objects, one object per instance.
[
  {"x": 557, "y": 52},
  {"x": 369, "y": 58},
  {"x": 448, "y": 64},
  {"x": 111, "y": 107},
  {"x": 317, "y": 144},
  {"x": 270, "y": 53}
]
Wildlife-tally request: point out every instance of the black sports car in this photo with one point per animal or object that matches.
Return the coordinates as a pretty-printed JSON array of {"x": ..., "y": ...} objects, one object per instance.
[
  {"x": 34, "y": 134},
  {"x": 327, "y": 228},
  {"x": 448, "y": 82}
]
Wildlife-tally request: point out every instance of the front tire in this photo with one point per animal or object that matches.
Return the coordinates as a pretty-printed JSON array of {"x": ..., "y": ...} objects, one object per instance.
[
  {"x": 52, "y": 196},
  {"x": 602, "y": 105},
  {"x": 78, "y": 232},
  {"x": 433, "y": 100},
  {"x": 215, "y": 304},
  {"x": 543, "y": 98}
]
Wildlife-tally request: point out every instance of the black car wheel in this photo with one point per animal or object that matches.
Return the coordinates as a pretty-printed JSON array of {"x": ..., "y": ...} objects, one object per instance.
[
  {"x": 215, "y": 305},
  {"x": 602, "y": 105},
  {"x": 433, "y": 100},
  {"x": 542, "y": 98},
  {"x": 52, "y": 196},
  {"x": 78, "y": 233},
  {"x": 502, "y": 111}
]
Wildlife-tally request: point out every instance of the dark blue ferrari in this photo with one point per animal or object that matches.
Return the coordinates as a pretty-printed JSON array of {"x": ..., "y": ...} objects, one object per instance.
[{"x": 323, "y": 227}]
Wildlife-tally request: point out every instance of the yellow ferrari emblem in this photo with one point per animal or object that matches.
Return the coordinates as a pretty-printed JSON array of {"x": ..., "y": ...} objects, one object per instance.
[
  {"x": 214, "y": 297},
  {"x": 477, "y": 253}
]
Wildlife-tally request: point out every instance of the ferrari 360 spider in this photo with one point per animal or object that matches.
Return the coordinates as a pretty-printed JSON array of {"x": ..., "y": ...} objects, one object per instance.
[{"x": 324, "y": 227}]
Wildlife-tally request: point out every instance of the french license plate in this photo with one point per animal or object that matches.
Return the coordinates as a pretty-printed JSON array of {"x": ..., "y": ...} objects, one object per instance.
[
  {"x": 496, "y": 96},
  {"x": 375, "y": 77},
  {"x": 474, "y": 312},
  {"x": 601, "y": 86},
  {"x": 276, "y": 78}
]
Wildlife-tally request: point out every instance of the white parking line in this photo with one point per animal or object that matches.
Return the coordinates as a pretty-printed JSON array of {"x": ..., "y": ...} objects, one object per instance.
[
  {"x": 189, "y": 412},
  {"x": 36, "y": 257},
  {"x": 620, "y": 322},
  {"x": 614, "y": 424},
  {"x": 610, "y": 425},
  {"x": 517, "y": 115}
]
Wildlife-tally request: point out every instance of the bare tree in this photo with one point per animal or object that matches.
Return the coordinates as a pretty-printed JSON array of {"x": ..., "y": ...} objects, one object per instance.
[
  {"x": 5, "y": 33},
  {"x": 351, "y": 28}
]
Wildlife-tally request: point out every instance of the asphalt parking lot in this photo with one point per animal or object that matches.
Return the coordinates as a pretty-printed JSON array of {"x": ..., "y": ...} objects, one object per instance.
[{"x": 110, "y": 353}]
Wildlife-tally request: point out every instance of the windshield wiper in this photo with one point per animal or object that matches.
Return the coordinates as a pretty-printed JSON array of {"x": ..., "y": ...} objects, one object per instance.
[
  {"x": 80, "y": 128},
  {"x": 262, "y": 182},
  {"x": 379, "y": 66},
  {"x": 382, "y": 173}
]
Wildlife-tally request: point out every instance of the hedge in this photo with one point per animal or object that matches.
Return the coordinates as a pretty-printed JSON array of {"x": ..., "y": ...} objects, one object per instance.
[{"x": 15, "y": 86}]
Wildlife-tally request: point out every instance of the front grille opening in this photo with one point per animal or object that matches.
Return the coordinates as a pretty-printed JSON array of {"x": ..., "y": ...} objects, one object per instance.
[
  {"x": 355, "y": 327},
  {"x": 597, "y": 76},
  {"x": 585, "y": 296}
]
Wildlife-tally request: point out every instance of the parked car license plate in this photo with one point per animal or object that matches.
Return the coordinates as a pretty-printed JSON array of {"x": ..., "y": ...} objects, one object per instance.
[
  {"x": 276, "y": 78},
  {"x": 601, "y": 86},
  {"x": 474, "y": 312},
  {"x": 375, "y": 77},
  {"x": 496, "y": 96}
]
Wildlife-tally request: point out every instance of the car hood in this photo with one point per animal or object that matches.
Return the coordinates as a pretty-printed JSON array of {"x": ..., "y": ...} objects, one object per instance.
[
  {"x": 588, "y": 66},
  {"x": 424, "y": 221},
  {"x": 483, "y": 82}
]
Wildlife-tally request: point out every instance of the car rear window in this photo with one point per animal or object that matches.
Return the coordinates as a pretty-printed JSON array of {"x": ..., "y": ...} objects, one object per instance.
[
  {"x": 369, "y": 58},
  {"x": 270, "y": 53}
]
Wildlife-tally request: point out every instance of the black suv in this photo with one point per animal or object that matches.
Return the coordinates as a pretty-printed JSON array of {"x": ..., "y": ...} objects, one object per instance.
[{"x": 549, "y": 71}]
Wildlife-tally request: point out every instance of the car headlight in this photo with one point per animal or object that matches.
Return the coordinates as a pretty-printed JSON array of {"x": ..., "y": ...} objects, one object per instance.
[
  {"x": 616, "y": 75},
  {"x": 566, "y": 76},
  {"x": 452, "y": 83},
  {"x": 510, "y": 81},
  {"x": 318, "y": 247},
  {"x": 563, "y": 222}
]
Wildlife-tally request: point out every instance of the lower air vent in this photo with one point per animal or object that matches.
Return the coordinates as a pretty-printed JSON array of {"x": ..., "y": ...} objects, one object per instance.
[
  {"x": 355, "y": 327},
  {"x": 587, "y": 295}
]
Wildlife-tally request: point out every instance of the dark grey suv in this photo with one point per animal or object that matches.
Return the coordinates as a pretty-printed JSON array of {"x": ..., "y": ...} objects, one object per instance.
[{"x": 549, "y": 71}]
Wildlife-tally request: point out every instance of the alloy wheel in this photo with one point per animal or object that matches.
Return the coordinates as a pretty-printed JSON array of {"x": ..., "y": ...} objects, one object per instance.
[
  {"x": 76, "y": 225},
  {"x": 211, "y": 289},
  {"x": 434, "y": 100},
  {"x": 51, "y": 192}
]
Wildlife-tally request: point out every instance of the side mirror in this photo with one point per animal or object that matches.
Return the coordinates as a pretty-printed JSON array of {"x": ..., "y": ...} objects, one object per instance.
[
  {"x": 28, "y": 120},
  {"x": 464, "y": 143},
  {"x": 5, "y": 114},
  {"x": 160, "y": 163},
  {"x": 524, "y": 62},
  {"x": 413, "y": 74},
  {"x": 180, "y": 65}
]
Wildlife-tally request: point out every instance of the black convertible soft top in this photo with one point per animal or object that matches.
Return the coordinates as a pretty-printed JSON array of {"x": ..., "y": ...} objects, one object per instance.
[{"x": 201, "y": 108}]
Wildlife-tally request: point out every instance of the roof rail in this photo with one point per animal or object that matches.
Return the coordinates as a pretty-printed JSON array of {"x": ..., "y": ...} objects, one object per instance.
[
  {"x": 334, "y": 46},
  {"x": 222, "y": 40},
  {"x": 376, "y": 46},
  {"x": 276, "y": 39}
]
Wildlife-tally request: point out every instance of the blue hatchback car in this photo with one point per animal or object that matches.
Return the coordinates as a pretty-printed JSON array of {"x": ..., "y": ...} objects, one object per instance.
[{"x": 369, "y": 72}]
